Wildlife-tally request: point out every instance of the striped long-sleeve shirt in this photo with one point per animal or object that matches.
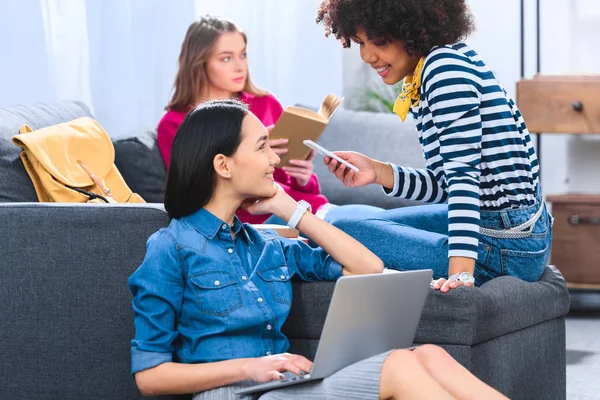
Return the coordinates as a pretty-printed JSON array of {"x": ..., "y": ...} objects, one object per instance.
[{"x": 478, "y": 152}]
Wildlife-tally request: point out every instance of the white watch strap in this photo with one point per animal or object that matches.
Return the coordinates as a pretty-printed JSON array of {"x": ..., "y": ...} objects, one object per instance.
[{"x": 298, "y": 213}]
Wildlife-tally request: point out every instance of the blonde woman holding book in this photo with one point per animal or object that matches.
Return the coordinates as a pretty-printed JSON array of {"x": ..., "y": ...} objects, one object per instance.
[{"x": 213, "y": 66}]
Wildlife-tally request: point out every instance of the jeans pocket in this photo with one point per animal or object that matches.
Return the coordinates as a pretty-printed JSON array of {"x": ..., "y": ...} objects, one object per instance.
[
  {"x": 217, "y": 292},
  {"x": 278, "y": 282},
  {"x": 484, "y": 271},
  {"x": 525, "y": 265}
]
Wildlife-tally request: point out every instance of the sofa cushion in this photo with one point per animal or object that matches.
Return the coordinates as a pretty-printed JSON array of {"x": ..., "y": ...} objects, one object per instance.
[
  {"x": 465, "y": 316},
  {"x": 139, "y": 161},
  {"x": 381, "y": 136},
  {"x": 14, "y": 181}
]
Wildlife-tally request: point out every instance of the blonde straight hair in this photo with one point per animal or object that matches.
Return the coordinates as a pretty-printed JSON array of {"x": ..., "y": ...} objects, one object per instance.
[{"x": 191, "y": 79}]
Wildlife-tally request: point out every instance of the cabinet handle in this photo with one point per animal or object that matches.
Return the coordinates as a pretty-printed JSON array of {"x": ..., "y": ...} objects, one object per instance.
[
  {"x": 577, "y": 106},
  {"x": 577, "y": 220}
]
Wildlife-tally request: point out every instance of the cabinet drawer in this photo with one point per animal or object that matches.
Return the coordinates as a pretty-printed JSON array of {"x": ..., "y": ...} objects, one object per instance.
[
  {"x": 576, "y": 237},
  {"x": 560, "y": 104}
]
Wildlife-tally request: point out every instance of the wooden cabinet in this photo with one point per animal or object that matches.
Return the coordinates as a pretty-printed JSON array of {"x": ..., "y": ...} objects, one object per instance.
[
  {"x": 560, "y": 104},
  {"x": 568, "y": 104},
  {"x": 576, "y": 237}
]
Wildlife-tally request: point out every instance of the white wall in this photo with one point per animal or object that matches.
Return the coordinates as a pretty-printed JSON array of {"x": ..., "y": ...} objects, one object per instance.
[
  {"x": 287, "y": 51},
  {"x": 120, "y": 56},
  {"x": 570, "y": 33}
]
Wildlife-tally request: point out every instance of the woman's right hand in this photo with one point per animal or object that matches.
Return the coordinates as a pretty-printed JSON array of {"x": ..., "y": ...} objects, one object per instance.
[
  {"x": 367, "y": 173},
  {"x": 276, "y": 144},
  {"x": 269, "y": 368}
]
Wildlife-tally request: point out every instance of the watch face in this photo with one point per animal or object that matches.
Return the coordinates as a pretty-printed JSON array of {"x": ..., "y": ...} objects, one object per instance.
[{"x": 466, "y": 278}]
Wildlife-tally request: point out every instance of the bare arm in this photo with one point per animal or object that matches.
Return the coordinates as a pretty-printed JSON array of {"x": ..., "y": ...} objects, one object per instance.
[
  {"x": 353, "y": 255},
  {"x": 175, "y": 378},
  {"x": 355, "y": 258},
  {"x": 384, "y": 174}
]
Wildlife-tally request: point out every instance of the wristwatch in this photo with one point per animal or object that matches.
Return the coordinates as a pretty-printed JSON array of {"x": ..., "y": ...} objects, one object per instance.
[
  {"x": 464, "y": 277},
  {"x": 303, "y": 206}
]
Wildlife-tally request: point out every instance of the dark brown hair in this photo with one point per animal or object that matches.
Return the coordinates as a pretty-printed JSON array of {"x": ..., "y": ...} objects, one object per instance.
[
  {"x": 420, "y": 24},
  {"x": 191, "y": 79}
]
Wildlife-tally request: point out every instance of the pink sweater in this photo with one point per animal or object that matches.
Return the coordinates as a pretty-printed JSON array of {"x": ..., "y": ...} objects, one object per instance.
[{"x": 268, "y": 110}]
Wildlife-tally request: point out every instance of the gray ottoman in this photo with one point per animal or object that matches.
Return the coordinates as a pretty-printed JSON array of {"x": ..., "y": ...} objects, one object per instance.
[{"x": 508, "y": 332}]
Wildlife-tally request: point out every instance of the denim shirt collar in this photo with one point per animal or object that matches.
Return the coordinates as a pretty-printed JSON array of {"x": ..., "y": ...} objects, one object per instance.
[{"x": 209, "y": 225}]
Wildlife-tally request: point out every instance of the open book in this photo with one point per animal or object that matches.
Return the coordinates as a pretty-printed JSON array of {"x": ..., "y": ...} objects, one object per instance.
[
  {"x": 282, "y": 230},
  {"x": 298, "y": 124}
]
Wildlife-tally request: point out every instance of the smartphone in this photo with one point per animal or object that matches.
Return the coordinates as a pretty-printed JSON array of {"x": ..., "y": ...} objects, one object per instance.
[{"x": 326, "y": 153}]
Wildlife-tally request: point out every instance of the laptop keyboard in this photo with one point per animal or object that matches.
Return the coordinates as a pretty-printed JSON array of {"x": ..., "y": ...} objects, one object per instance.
[{"x": 290, "y": 376}]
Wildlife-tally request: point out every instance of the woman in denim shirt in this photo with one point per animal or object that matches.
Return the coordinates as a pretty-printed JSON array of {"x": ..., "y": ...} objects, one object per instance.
[{"x": 212, "y": 294}]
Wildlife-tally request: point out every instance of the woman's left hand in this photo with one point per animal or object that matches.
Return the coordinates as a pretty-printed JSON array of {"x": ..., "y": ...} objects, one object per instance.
[
  {"x": 301, "y": 170},
  {"x": 444, "y": 285}
]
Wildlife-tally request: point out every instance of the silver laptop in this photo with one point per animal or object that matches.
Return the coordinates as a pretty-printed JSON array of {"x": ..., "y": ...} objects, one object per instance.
[{"x": 368, "y": 315}]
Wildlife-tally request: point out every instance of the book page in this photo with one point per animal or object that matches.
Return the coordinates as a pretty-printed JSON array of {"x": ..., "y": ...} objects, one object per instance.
[
  {"x": 303, "y": 112},
  {"x": 329, "y": 106},
  {"x": 282, "y": 230}
]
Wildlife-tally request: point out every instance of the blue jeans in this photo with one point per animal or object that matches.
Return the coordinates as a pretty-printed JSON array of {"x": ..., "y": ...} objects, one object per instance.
[{"x": 416, "y": 237}]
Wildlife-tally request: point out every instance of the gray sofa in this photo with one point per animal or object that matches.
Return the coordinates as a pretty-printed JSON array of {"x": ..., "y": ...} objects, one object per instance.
[{"x": 66, "y": 313}]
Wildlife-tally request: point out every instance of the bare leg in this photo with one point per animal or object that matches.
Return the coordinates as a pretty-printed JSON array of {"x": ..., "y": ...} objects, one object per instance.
[
  {"x": 404, "y": 377},
  {"x": 455, "y": 378}
]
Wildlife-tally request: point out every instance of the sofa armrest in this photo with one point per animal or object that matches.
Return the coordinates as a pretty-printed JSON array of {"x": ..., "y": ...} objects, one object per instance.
[
  {"x": 469, "y": 316},
  {"x": 464, "y": 316},
  {"x": 66, "y": 308},
  {"x": 78, "y": 233}
]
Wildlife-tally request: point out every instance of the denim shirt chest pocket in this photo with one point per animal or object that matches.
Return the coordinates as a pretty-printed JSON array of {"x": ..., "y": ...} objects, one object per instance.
[
  {"x": 217, "y": 291},
  {"x": 273, "y": 270}
]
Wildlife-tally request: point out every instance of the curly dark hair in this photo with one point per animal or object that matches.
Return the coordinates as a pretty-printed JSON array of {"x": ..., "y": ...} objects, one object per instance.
[{"x": 420, "y": 24}]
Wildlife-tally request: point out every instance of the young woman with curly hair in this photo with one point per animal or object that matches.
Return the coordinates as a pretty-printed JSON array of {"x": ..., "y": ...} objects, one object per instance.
[{"x": 481, "y": 167}]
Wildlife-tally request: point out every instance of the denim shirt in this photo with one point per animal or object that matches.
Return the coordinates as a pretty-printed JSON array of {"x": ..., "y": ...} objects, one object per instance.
[{"x": 202, "y": 296}]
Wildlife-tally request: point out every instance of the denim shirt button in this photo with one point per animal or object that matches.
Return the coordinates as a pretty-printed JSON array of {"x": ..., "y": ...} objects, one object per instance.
[
  {"x": 260, "y": 299},
  {"x": 217, "y": 283},
  {"x": 269, "y": 327},
  {"x": 224, "y": 226},
  {"x": 282, "y": 277},
  {"x": 268, "y": 353},
  {"x": 244, "y": 277},
  {"x": 230, "y": 251}
]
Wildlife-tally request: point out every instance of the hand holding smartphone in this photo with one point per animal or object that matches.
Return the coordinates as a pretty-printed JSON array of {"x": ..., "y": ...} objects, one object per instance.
[{"x": 326, "y": 153}]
